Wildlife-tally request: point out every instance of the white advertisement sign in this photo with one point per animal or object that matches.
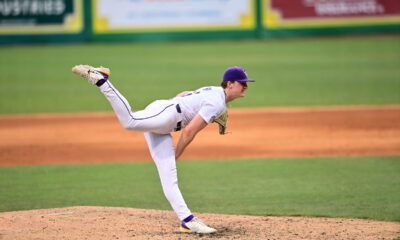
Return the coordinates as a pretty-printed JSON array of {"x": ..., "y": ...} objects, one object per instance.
[{"x": 172, "y": 14}]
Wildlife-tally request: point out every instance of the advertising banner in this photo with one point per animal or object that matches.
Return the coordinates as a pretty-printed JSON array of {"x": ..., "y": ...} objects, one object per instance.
[
  {"x": 41, "y": 16},
  {"x": 303, "y": 13},
  {"x": 171, "y": 15}
]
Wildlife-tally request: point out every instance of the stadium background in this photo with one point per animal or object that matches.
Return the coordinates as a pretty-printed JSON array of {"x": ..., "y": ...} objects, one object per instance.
[{"x": 347, "y": 56}]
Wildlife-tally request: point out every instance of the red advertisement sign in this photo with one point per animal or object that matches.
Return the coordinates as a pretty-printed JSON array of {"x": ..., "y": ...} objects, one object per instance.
[{"x": 320, "y": 9}]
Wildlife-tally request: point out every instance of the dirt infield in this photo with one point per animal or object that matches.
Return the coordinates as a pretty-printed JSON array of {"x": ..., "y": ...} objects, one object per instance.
[
  {"x": 256, "y": 133},
  {"x": 94, "y": 223}
]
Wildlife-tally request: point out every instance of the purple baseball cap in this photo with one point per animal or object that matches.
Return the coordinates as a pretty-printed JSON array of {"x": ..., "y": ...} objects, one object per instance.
[{"x": 236, "y": 74}]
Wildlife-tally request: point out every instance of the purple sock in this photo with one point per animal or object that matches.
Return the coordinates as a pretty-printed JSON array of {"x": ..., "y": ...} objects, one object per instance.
[
  {"x": 188, "y": 219},
  {"x": 102, "y": 81}
]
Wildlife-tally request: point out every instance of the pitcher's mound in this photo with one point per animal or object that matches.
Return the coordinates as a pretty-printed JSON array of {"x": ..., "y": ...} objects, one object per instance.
[{"x": 128, "y": 223}]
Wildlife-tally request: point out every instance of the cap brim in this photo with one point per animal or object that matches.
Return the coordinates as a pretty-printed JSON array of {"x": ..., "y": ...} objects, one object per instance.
[{"x": 245, "y": 80}]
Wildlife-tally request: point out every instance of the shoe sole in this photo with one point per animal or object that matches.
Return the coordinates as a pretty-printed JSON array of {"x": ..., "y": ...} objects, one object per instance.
[{"x": 187, "y": 230}]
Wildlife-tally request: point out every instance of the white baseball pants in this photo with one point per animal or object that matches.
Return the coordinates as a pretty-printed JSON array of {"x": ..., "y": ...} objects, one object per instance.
[{"x": 157, "y": 120}]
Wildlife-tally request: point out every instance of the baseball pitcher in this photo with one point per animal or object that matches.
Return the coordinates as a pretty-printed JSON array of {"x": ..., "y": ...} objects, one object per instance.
[{"x": 188, "y": 111}]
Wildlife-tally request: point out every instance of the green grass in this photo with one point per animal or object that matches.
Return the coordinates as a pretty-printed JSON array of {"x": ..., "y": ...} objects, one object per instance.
[
  {"x": 300, "y": 72},
  {"x": 364, "y": 187}
]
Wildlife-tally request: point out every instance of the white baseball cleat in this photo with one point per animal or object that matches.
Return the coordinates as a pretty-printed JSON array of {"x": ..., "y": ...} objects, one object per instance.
[
  {"x": 196, "y": 226},
  {"x": 96, "y": 76}
]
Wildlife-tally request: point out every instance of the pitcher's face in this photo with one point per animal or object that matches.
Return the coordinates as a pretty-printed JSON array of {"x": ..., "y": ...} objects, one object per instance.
[{"x": 238, "y": 89}]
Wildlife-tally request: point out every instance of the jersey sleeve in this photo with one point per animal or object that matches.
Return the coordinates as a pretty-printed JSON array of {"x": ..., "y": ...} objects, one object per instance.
[{"x": 209, "y": 112}]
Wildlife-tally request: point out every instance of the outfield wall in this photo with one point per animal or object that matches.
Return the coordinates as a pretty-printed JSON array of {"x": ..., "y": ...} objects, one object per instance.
[{"x": 44, "y": 21}]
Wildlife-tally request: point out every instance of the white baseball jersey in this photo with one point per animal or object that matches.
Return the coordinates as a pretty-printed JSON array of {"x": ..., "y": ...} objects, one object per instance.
[
  {"x": 160, "y": 118},
  {"x": 209, "y": 102}
]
